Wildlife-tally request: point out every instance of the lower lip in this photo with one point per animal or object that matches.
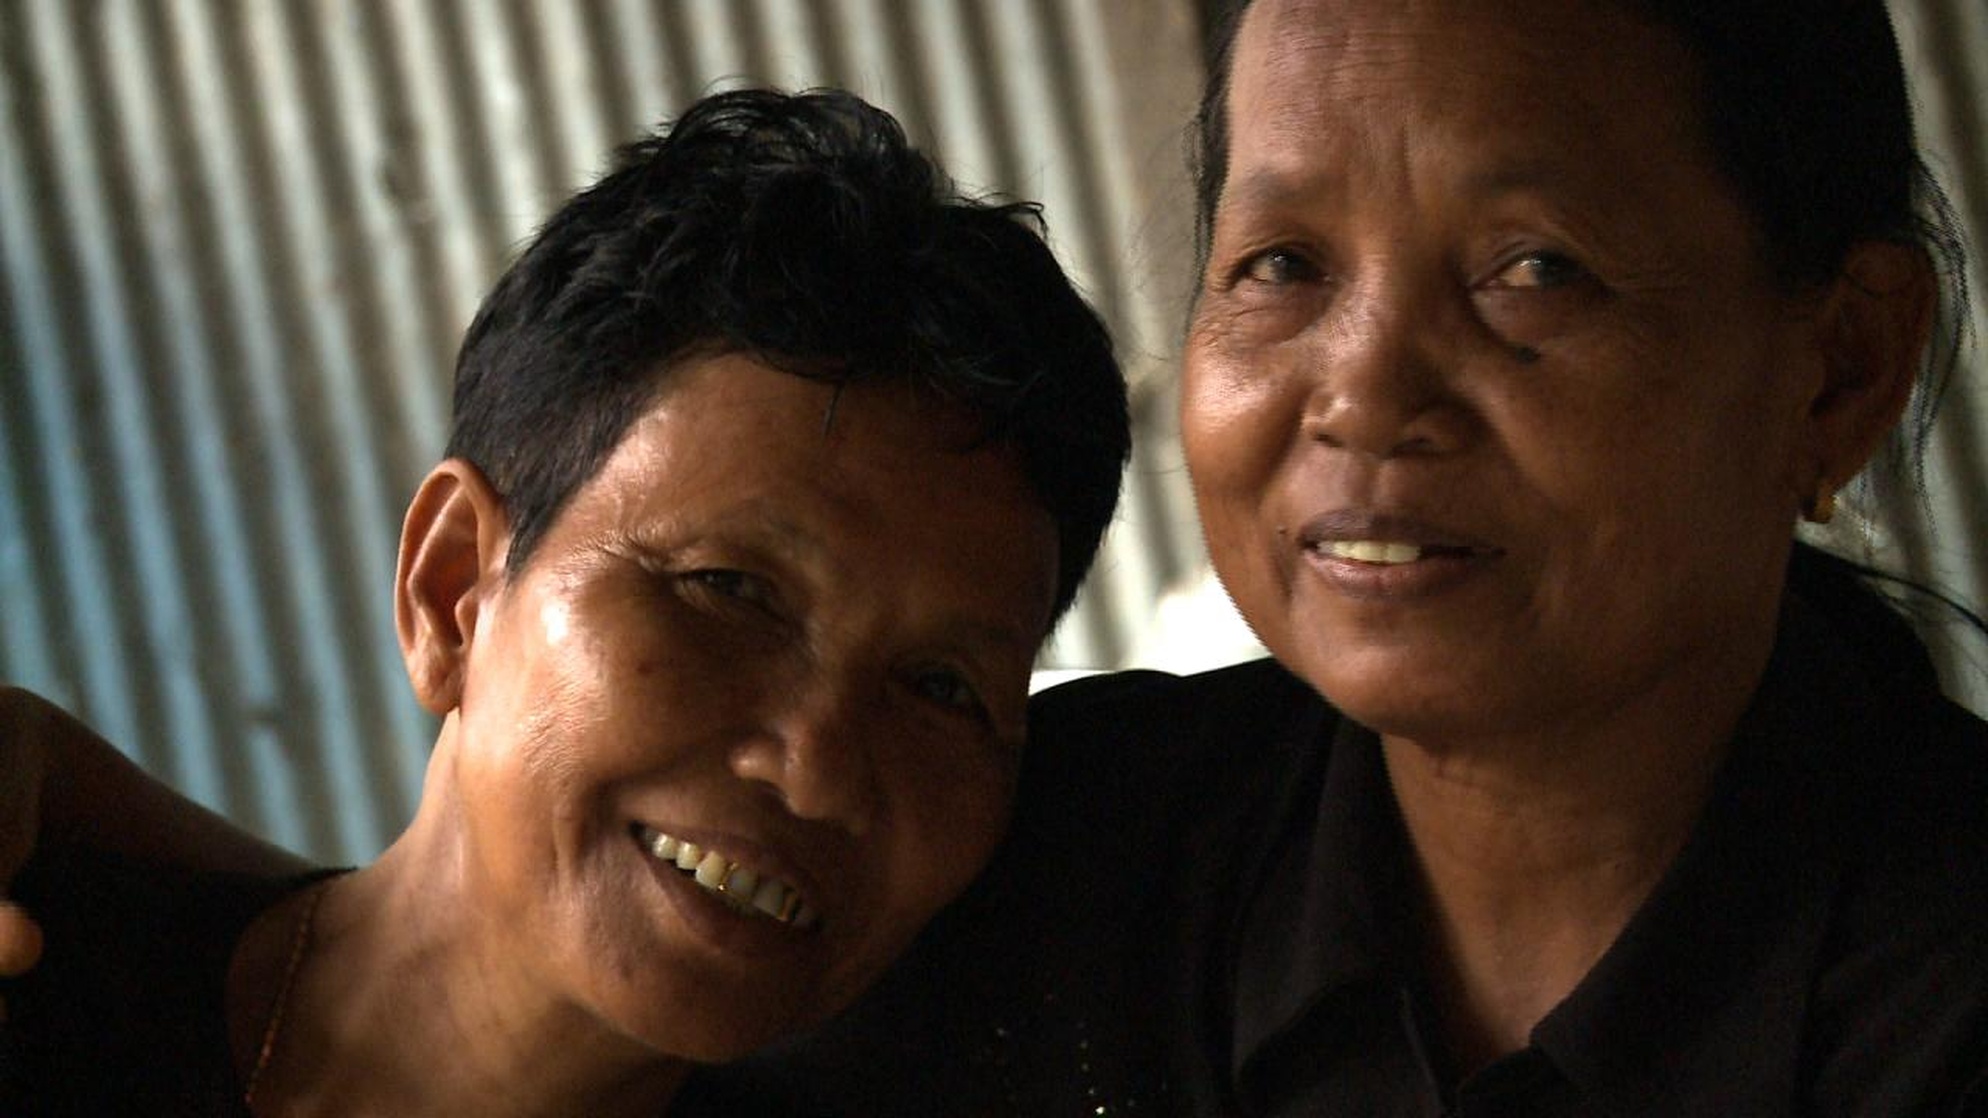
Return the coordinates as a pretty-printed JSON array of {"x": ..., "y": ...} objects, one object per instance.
[
  {"x": 714, "y": 922},
  {"x": 1426, "y": 577}
]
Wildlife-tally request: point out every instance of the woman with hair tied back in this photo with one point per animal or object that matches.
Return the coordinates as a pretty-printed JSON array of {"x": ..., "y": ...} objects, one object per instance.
[{"x": 1526, "y": 335}]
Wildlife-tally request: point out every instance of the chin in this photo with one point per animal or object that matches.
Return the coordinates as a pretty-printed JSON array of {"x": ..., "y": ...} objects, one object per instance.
[
  {"x": 1398, "y": 691},
  {"x": 694, "y": 1015},
  {"x": 702, "y": 1035}
]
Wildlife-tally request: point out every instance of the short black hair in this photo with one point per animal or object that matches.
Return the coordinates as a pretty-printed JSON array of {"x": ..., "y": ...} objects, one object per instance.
[{"x": 806, "y": 231}]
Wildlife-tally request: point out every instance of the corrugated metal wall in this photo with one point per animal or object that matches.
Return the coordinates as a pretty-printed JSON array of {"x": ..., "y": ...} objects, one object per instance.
[
  {"x": 239, "y": 239},
  {"x": 1943, "y": 541}
]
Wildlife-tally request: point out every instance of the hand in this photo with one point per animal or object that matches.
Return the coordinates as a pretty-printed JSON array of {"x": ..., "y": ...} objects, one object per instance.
[
  {"x": 20, "y": 944},
  {"x": 25, "y": 722}
]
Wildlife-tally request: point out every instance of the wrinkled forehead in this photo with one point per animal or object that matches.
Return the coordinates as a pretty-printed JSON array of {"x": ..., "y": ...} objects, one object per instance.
[
  {"x": 1354, "y": 83},
  {"x": 1373, "y": 50}
]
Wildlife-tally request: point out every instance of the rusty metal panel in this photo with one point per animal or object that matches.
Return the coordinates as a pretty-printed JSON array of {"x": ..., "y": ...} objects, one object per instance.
[{"x": 240, "y": 238}]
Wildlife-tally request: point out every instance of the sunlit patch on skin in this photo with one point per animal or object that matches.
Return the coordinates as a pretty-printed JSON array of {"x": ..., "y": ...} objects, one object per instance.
[{"x": 556, "y": 621}]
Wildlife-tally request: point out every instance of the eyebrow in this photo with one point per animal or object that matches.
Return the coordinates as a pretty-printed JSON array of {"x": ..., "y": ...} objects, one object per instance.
[
  {"x": 1270, "y": 188},
  {"x": 795, "y": 542},
  {"x": 760, "y": 526},
  {"x": 1273, "y": 187},
  {"x": 973, "y": 631}
]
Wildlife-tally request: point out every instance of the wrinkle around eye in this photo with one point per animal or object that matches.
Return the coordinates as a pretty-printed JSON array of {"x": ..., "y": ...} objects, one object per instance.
[
  {"x": 1530, "y": 316},
  {"x": 1248, "y": 319}
]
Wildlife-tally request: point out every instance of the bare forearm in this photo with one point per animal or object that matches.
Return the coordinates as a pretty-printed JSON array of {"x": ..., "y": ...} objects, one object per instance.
[{"x": 92, "y": 795}]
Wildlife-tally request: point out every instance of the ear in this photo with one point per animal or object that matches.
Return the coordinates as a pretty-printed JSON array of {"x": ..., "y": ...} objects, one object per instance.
[
  {"x": 452, "y": 548},
  {"x": 1875, "y": 322}
]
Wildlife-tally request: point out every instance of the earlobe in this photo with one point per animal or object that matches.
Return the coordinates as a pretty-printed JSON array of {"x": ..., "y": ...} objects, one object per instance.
[
  {"x": 452, "y": 547},
  {"x": 1874, "y": 327}
]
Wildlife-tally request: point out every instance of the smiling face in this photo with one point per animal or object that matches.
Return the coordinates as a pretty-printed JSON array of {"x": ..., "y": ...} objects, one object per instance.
[
  {"x": 796, "y": 639},
  {"x": 1495, "y": 420}
]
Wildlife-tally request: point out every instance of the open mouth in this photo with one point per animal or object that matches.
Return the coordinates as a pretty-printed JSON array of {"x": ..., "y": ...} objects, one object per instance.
[{"x": 739, "y": 888}]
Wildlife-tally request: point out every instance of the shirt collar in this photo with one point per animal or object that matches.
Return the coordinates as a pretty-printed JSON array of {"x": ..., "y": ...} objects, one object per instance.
[
  {"x": 1705, "y": 987},
  {"x": 1319, "y": 922}
]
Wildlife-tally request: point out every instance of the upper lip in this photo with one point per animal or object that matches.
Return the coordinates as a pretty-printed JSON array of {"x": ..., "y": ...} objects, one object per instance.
[{"x": 1346, "y": 524}]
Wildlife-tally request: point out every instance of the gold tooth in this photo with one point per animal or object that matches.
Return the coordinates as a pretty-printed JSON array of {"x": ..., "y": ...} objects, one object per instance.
[{"x": 725, "y": 881}]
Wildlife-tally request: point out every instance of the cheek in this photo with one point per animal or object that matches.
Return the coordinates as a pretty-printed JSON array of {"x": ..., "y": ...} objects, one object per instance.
[
  {"x": 943, "y": 832},
  {"x": 1237, "y": 414},
  {"x": 548, "y": 717},
  {"x": 1240, "y": 417},
  {"x": 950, "y": 816}
]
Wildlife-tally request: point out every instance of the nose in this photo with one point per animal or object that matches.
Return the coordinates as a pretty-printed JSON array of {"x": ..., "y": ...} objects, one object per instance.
[
  {"x": 817, "y": 752},
  {"x": 1382, "y": 375}
]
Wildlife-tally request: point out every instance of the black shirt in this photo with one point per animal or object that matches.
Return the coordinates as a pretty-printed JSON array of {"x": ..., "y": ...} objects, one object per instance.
[
  {"x": 1206, "y": 908},
  {"x": 126, "y": 1012}
]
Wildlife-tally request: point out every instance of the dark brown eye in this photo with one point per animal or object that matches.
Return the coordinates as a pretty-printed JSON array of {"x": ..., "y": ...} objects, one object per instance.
[
  {"x": 1279, "y": 266},
  {"x": 1536, "y": 296},
  {"x": 1540, "y": 271},
  {"x": 949, "y": 689},
  {"x": 737, "y": 586}
]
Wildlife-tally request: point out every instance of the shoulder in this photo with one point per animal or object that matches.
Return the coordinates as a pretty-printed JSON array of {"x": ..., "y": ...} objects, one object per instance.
[
  {"x": 1052, "y": 985},
  {"x": 1147, "y": 696},
  {"x": 1914, "y": 820},
  {"x": 1121, "y": 765},
  {"x": 1900, "y": 1010},
  {"x": 1148, "y": 726},
  {"x": 126, "y": 1010}
]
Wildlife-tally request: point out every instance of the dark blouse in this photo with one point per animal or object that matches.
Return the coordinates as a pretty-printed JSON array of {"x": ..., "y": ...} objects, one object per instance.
[
  {"x": 126, "y": 1013},
  {"x": 1205, "y": 908}
]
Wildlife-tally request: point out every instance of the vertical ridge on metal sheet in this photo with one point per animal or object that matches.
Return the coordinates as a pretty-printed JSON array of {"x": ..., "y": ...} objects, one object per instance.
[
  {"x": 1938, "y": 540},
  {"x": 301, "y": 290},
  {"x": 98, "y": 369},
  {"x": 50, "y": 498}
]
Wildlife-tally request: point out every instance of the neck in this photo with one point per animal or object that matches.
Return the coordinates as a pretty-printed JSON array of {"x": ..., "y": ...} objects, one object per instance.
[
  {"x": 1535, "y": 849},
  {"x": 397, "y": 972}
]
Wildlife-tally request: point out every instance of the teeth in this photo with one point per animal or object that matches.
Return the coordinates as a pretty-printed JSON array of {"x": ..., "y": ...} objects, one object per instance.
[
  {"x": 737, "y": 886},
  {"x": 1373, "y": 551},
  {"x": 688, "y": 856},
  {"x": 771, "y": 899},
  {"x": 711, "y": 872}
]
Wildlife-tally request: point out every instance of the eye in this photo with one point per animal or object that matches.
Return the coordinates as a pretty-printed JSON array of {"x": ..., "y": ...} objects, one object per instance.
[
  {"x": 1278, "y": 267},
  {"x": 1537, "y": 296},
  {"x": 729, "y": 585},
  {"x": 1540, "y": 271},
  {"x": 948, "y": 688}
]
